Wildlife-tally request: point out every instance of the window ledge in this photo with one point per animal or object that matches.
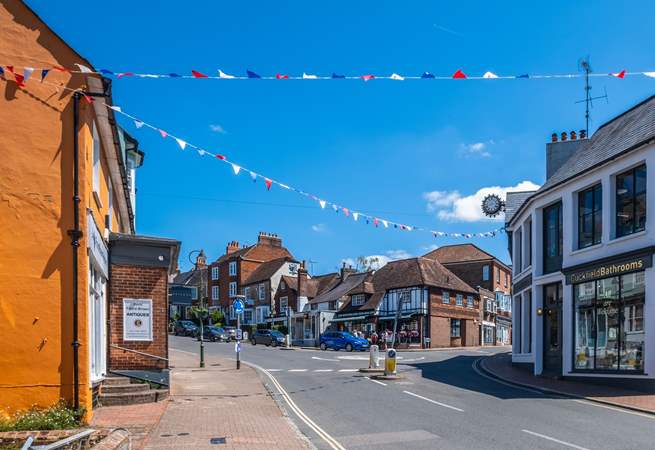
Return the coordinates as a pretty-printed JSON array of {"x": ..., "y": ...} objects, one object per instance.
[
  {"x": 627, "y": 237},
  {"x": 586, "y": 249},
  {"x": 520, "y": 274}
]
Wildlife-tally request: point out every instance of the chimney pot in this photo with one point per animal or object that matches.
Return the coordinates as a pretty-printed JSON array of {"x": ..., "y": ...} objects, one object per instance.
[
  {"x": 563, "y": 135},
  {"x": 553, "y": 137},
  {"x": 573, "y": 135},
  {"x": 583, "y": 134}
]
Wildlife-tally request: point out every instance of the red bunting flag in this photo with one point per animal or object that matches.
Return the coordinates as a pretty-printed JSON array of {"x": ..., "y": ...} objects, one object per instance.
[
  {"x": 346, "y": 212},
  {"x": 220, "y": 156},
  {"x": 375, "y": 221},
  {"x": 197, "y": 74},
  {"x": 367, "y": 77},
  {"x": 268, "y": 183},
  {"x": 621, "y": 74},
  {"x": 10, "y": 69},
  {"x": 459, "y": 74},
  {"x": 282, "y": 77},
  {"x": 61, "y": 69},
  {"x": 19, "y": 79},
  {"x": 125, "y": 74},
  {"x": 163, "y": 133}
]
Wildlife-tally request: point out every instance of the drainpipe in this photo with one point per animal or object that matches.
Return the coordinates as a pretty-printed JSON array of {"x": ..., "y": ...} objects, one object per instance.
[{"x": 75, "y": 235}]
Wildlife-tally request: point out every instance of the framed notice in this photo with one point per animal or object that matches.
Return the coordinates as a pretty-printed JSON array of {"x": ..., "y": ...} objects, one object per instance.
[{"x": 137, "y": 319}]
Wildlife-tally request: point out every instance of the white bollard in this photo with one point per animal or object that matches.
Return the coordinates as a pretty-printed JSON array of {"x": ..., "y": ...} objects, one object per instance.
[{"x": 374, "y": 357}]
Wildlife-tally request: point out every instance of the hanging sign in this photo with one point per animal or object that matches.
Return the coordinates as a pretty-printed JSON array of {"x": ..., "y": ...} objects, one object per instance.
[{"x": 137, "y": 319}]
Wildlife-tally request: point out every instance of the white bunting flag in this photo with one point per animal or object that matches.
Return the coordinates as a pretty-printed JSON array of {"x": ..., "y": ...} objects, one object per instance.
[
  {"x": 408, "y": 228},
  {"x": 395, "y": 76},
  {"x": 284, "y": 186},
  {"x": 201, "y": 152},
  {"x": 650, "y": 74},
  {"x": 335, "y": 207},
  {"x": 355, "y": 216},
  {"x": 308, "y": 77},
  {"x": 322, "y": 203},
  {"x": 385, "y": 223},
  {"x": 181, "y": 143},
  {"x": 116, "y": 108},
  {"x": 27, "y": 72},
  {"x": 222, "y": 74},
  {"x": 138, "y": 123},
  {"x": 84, "y": 69},
  {"x": 489, "y": 75},
  {"x": 236, "y": 169},
  {"x": 253, "y": 175}
]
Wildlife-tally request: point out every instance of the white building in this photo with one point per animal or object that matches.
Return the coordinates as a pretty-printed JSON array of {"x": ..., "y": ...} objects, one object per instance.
[{"x": 582, "y": 248}]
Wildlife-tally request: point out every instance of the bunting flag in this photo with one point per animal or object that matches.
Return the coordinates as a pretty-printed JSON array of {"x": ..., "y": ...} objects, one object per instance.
[
  {"x": 395, "y": 76},
  {"x": 489, "y": 75},
  {"x": 525, "y": 75},
  {"x": 2, "y": 71},
  {"x": 459, "y": 74},
  {"x": 236, "y": 169},
  {"x": 368, "y": 77},
  {"x": 269, "y": 183},
  {"x": 253, "y": 175},
  {"x": 282, "y": 77},
  {"x": 27, "y": 73},
  {"x": 197, "y": 74},
  {"x": 322, "y": 203},
  {"x": 334, "y": 75},
  {"x": 308, "y": 77},
  {"x": 125, "y": 74},
  {"x": 252, "y": 74},
  {"x": 181, "y": 143},
  {"x": 163, "y": 133},
  {"x": 222, "y": 74},
  {"x": 44, "y": 73},
  {"x": 355, "y": 216},
  {"x": 84, "y": 69},
  {"x": 138, "y": 123},
  {"x": 427, "y": 75},
  {"x": 620, "y": 74},
  {"x": 650, "y": 74}
]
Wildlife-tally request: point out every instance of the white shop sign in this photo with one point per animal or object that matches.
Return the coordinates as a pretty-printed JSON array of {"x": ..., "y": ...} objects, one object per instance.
[{"x": 137, "y": 319}]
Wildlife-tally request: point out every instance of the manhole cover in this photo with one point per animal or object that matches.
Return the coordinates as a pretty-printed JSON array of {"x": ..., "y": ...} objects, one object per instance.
[{"x": 217, "y": 440}]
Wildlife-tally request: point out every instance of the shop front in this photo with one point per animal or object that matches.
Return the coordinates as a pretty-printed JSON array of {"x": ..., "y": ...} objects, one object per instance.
[
  {"x": 503, "y": 330},
  {"x": 610, "y": 308}
]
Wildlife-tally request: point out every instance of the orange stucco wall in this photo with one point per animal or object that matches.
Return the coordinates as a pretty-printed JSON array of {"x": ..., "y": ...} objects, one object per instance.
[{"x": 36, "y": 211}]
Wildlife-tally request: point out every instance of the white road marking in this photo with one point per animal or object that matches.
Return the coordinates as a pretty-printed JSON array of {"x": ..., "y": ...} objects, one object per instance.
[
  {"x": 333, "y": 443},
  {"x": 322, "y": 370},
  {"x": 297, "y": 370},
  {"x": 617, "y": 409},
  {"x": 552, "y": 439},
  {"x": 348, "y": 370},
  {"x": 274, "y": 370},
  {"x": 433, "y": 401},
  {"x": 324, "y": 359},
  {"x": 376, "y": 381}
]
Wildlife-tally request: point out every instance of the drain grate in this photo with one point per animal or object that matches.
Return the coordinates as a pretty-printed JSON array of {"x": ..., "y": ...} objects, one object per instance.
[{"x": 217, "y": 440}]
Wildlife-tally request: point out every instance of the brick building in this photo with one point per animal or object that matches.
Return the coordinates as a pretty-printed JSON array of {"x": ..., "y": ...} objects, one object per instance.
[
  {"x": 228, "y": 274},
  {"x": 493, "y": 280},
  {"x": 291, "y": 288},
  {"x": 189, "y": 288}
]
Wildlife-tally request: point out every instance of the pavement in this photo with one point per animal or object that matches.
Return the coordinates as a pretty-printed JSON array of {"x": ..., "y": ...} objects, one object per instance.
[
  {"x": 501, "y": 367},
  {"x": 443, "y": 401}
]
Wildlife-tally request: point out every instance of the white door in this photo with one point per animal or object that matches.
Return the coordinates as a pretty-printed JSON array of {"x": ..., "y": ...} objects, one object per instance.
[{"x": 97, "y": 326}]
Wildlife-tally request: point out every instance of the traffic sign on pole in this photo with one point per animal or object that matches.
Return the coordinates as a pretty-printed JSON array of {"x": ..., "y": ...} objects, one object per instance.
[{"x": 238, "y": 305}]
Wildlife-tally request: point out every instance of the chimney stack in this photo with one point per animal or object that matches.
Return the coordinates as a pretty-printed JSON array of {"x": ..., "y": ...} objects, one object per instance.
[
  {"x": 232, "y": 247},
  {"x": 573, "y": 135},
  {"x": 269, "y": 239},
  {"x": 559, "y": 151},
  {"x": 302, "y": 279}
]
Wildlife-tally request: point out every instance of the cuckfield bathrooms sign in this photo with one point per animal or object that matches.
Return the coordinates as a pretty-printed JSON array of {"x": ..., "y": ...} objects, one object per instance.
[
  {"x": 609, "y": 269},
  {"x": 137, "y": 319}
]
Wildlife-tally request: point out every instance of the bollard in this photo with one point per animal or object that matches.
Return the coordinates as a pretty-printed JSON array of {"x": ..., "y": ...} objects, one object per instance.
[
  {"x": 390, "y": 363},
  {"x": 374, "y": 357}
]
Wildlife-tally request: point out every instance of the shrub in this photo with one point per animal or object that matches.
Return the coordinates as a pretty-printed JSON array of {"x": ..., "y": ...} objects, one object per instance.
[{"x": 56, "y": 417}]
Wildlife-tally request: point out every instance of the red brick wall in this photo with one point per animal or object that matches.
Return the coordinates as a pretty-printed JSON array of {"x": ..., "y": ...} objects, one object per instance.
[
  {"x": 440, "y": 315},
  {"x": 439, "y": 332},
  {"x": 470, "y": 333},
  {"x": 138, "y": 282}
]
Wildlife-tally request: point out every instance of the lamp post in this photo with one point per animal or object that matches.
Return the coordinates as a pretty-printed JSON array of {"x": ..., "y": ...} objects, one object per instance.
[{"x": 200, "y": 315}]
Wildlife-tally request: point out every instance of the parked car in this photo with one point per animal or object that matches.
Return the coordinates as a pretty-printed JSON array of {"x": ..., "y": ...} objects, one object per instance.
[
  {"x": 267, "y": 337},
  {"x": 213, "y": 334},
  {"x": 232, "y": 332},
  {"x": 342, "y": 339},
  {"x": 185, "y": 328}
]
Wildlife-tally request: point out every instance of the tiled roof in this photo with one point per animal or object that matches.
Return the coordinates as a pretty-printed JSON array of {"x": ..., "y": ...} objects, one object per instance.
[
  {"x": 458, "y": 253},
  {"x": 266, "y": 270},
  {"x": 341, "y": 289},
  {"x": 513, "y": 202},
  {"x": 624, "y": 133},
  {"x": 314, "y": 285},
  {"x": 242, "y": 252},
  {"x": 189, "y": 278},
  {"x": 418, "y": 271}
]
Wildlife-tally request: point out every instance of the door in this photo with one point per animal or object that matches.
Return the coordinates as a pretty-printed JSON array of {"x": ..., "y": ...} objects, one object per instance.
[
  {"x": 97, "y": 330},
  {"x": 552, "y": 316}
]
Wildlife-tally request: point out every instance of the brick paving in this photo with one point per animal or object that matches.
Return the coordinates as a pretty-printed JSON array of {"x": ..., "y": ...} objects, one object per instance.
[
  {"x": 501, "y": 366},
  {"x": 139, "y": 420},
  {"x": 220, "y": 402}
]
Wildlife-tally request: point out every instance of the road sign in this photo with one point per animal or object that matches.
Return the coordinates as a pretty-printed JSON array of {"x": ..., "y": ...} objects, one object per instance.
[
  {"x": 239, "y": 334},
  {"x": 237, "y": 304},
  {"x": 237, "y": 347}
]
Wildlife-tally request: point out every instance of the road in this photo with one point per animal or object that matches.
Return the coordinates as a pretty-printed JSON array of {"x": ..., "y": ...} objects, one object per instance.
[{"x": 442, "y": 402}]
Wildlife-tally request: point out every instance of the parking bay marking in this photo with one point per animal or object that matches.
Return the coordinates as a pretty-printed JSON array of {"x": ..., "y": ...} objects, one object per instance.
[
  {"x": 433, "y": 401},
  {"x": 552, "y": 439},
  {"x": 376, "y": 381},
  {"x": 297, "y": 370}
]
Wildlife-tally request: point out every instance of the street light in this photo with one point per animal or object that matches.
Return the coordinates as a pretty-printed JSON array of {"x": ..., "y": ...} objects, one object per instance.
[{"x": 202, "y": 329}]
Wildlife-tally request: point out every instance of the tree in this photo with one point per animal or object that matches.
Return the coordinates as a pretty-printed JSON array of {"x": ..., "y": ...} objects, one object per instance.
[
  {"x": 217, "y": 317},
  {"x": 367, "y": 263}
]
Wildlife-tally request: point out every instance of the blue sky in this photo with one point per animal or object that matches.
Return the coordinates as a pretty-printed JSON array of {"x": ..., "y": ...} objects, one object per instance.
[{"x": 379, "y": 146}]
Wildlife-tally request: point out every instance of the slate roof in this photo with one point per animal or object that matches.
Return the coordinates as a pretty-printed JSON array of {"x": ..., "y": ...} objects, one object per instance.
[
  {"x": 315, "y": 285},
  {"x": 624, "y": 133},
  {"x": 242, "y": 252},
  {"x": 189, "y": 278},
  {"x": 514, "y": 201},
  {"x": 266, "y": 270},
  {"x": 341, "y": 289}
]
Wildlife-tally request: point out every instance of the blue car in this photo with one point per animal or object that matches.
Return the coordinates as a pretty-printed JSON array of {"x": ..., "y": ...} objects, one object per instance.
[{"x": 342, "y": 339}]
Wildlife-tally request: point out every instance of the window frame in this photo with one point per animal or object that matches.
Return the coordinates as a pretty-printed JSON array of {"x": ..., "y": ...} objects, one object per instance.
[
  {"x": 445, "y": 297},
  {"x": 215, "y": 272},
  {"x": 459, "y": 300},
  {"x": 455, "y": 328},
  {"x": 469, "y": 301},
  {"x": 232, "y": 289},
  {"x": 635, "y": 194},
  {"x": 215, "y": 293},
  {"x": 232, "y": 268},
  {"x": 485, "y": 272},
  {"x": 360, "y": 300},
  {"x": 551, "y": 267},
  {"x": 595, "y": 240},
  {"x": 261, "y": 291}
]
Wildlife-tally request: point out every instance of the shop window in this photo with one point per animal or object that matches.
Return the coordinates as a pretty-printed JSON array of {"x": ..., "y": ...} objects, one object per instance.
[
  {"x": 215, "y": 273},
  {"x": 455, "y": 328},
  {"x": 194, "y": 293},
  {"x": 232, "y": 269},
  {"x": 445, "y": 297},
  {"x": 590, "y": 216},
  {"x": 333, "y": 305},
  {"x": 609, "y": 324},
  {"x": 552, "y": 238},
  {"x": 631, "y": 201}
]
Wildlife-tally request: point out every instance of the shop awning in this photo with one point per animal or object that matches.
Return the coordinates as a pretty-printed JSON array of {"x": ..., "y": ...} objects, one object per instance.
[{"x": 349, "y": 319}]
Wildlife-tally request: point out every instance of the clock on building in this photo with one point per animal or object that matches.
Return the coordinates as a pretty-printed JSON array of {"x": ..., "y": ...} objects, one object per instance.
[{"x": 492, "y": 205}]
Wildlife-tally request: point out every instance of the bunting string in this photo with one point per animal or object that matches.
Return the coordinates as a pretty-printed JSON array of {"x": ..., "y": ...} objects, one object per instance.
[{"x": 269, "y": 182}]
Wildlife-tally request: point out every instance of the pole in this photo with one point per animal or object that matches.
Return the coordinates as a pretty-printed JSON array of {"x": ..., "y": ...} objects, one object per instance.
[
  {"x": 238, "y": 344},
  {"x": 75, "y": 235},
  {"x": 395, "y": 320},
  {"x": 202, "y": 335}
]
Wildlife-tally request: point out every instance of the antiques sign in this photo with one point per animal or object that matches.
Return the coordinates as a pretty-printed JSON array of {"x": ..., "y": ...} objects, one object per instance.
[{"x": 137, "y": 319}]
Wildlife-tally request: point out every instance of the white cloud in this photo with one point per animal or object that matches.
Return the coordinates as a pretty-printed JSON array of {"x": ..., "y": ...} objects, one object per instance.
[
  {"x": 216, "y": 128},
  {"x": 319, "y": 228},
  {"x": 476, "y": 149},
  {"x": 452, "y": 206},
  {"x": 398, "y": 254},
  {"x": 380, "y": 260}
]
